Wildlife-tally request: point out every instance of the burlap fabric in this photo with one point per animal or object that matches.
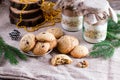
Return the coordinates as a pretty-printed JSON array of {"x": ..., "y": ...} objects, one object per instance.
[{"x": 40, "y": 68}]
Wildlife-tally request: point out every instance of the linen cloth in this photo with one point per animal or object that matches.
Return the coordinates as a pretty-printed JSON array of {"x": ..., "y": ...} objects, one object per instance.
[{"x": 39, "y": 68}]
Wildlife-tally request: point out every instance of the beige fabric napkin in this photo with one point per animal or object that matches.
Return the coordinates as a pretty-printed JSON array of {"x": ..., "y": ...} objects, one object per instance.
[{"x": 40, "y": 68}]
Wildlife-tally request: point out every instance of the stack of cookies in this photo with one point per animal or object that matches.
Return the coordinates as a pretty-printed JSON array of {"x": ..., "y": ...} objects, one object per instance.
[
  {"x": 31, "y": 15},
  {"x": 54, "y": 38},
  {"x": 42, "y": 42}
]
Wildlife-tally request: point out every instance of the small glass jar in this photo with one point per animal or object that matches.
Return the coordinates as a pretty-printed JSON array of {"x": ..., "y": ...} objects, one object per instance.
[
  {"x": 96, "y": 20},
  {"x": 95, "y": 33},
  {"x": 71, "y": 21}
]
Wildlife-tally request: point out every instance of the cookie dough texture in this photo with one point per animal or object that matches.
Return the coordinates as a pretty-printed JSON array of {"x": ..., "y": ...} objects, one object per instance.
[
  {"x": 61, "y": 59},
  {"x": 53, "y": 44},
  {"x": 27, "y": 42},
  {"x": 41, "y": 48},
  {"x": 79, "y": 52},
  {"x": 67, "y": 43},
  {"x": 45, "y": 36},
  {"x": 57, "y": 32}
]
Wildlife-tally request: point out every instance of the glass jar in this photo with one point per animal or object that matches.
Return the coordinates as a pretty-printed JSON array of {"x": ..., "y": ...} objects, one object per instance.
[
  {"x": 96, "y": 20},
  {"x": 95, "y": 33},
  {"x": 71, "y": 21}
]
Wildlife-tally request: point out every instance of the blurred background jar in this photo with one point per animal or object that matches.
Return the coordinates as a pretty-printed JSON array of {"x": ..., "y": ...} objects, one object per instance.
[
  {"x": 96, "y": 20},
  {"x": 71, "y": 20},
  {"x": 72, "y": 17}
]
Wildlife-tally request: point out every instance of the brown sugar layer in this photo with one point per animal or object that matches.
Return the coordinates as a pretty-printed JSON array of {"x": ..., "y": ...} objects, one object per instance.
[{"x": 26, "y": 14}]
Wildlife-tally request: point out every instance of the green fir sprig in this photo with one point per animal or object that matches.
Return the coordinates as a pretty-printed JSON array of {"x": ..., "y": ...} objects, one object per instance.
[
  {"x": 10, "y": 53},
  {"x": 106, "y": 48}
]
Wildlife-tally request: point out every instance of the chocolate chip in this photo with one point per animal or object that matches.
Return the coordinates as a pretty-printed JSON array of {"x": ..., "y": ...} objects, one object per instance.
[
  {"x": 43, "y": 46},
  {"x": 58, "y": 58},
  {"x": 27, "y": 42},
  {"x": 43, "y": 33}
]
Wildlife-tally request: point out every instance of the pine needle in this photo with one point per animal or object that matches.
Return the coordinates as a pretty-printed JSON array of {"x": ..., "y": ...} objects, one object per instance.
[
  {"x": 10, "y": 56},
  {"x": 112, "y": 36},
  {"x": 1, "y": 51},
  {"x": 116, "y": 43},
  {"x": 105, "y": 52},
  {"x": 109, "y": 53},
  {"x": 17, "y": 52},
  {"x": 101, "y": 44},
  {"x": 11, "y": 53}
]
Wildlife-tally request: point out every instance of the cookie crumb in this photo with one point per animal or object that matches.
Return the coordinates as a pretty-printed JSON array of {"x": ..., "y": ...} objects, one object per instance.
[{"x": 83, "y": 64}]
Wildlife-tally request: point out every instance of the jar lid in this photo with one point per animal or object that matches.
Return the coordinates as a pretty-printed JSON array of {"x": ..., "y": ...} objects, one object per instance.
[
  {"x": 101, "y": 9},
  {"x": 66, "y": 3},
  {"x": 97, "y": 4}
]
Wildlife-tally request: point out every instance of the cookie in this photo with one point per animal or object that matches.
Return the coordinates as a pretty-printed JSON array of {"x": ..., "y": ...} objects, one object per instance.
[
  {"x": 41, "y": 48},
  {"x": 45, "y": 36},
  {"x": 53, "y": 44},
  {"x": 61, "y": 59},
  {"x": 57, "y": 32},
  {"x": 27, "y": 42},
  {"x": 83, "y": 64},
  {"x": 67, "y": 43},
  {"x": 79, "y": 52}
]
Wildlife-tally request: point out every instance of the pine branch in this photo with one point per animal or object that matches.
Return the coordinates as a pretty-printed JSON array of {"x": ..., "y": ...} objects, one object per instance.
[
  {"x": 98, "y": 52},
  {"x": 101, "y": 44},
  {"x": 112, "y": 36},
  {"x": 10, "y": 56},
  {"x": 114, "y": 27},
  {"x": 109, "y": 53},
  {"x": 116, "y": 43},
  {"x": 1, "y": 41},
  {"x": 1, "y": 46},
  {"x": 1, "y": 51},
  {"x": 11, "y": 53},
  {"x": 17, "y": 52},
  {"x": 102, "y": 50}
]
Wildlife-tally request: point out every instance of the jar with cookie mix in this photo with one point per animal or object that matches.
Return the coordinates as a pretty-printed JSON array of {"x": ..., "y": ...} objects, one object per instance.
[
  {"x": 96, "y": 20},
  {"x": 72, "y": 17}
]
